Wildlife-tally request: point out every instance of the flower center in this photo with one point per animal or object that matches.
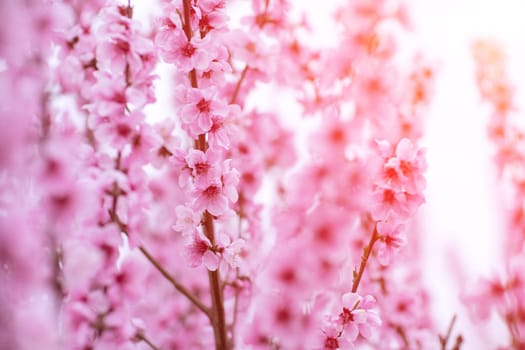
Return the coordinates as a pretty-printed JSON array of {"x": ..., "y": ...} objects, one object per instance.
[
  {"x": 212, "y": 191},
  {"x": 331, "y": 343},
  {"x": 203, "y": 106},
  {"x": 389, "y": 196},
  {"x": 323, "y": 234},
  {"x": 188, "y": 50},
  {"x": 346, "y": 316},
  {"x": 406, "y": 168},
  {"x": 283, "y": 315},
  {"x": 337, "y": 136},
  {"x": 201, "y": 168},
  {"x": 123, "y": 130}
]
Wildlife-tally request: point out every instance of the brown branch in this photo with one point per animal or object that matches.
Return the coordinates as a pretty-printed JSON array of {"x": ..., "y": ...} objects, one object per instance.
[
  {"x": 235, "y": 309},
  {"x": 459, "y": 341},
  {"x": 195, "y": 301},
  {"x": 364, "y": 260},
  {"x": 141, "y": 337},
  {"x": 217, "y": 309},
  {"x": 402, "y": 335},
  {"x": 444, "y": 340},
  {"x": 186, "y": 26},
  {"x": 513, "y": 330},
  {"x": 183, "y": 290},
  {"x": 115, "y": 194},
  {"x": 238, "y": 85},
  {"x": 218, "y": 317}
]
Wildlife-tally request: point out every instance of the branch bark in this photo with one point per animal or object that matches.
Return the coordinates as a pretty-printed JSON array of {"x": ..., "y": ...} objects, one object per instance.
[
  {"x": 364, "y": 260},
  {"x": 218, "y": 319}
]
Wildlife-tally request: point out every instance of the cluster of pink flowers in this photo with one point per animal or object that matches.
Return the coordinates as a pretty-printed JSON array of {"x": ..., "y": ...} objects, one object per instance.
[
  {"x": 383, "y": 184},
  {"x": 211, "y": 226},
  {"x": 503, "y": 294},
  {"x": 31, "y": 193}
]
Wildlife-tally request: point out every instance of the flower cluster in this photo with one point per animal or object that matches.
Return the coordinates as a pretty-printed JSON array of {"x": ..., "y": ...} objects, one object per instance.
[
  {"x": 33, "y": 203},
  {"x": 506, "y": 133},
  {"x": 502, "y": 294},
  {"x": 217, "y": 221}
]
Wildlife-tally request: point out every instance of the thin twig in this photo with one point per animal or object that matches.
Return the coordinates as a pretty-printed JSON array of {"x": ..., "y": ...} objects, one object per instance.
[
  {"x": 142, "y": 337},
  {"x": 364, "y": 260},
  {"x": 186, "y": 26},
  {"x": 216, "y": 313},
  {"x": 444, "y": 340},
  {"x": 238, "y": 85},
  {"x": 403, "y": 335},
  {"x": 124, "y": 229},
  {"x": 459, "y": 341},
  {"x": 175, "y": 283},
  {"x": 513, "y": 330}
]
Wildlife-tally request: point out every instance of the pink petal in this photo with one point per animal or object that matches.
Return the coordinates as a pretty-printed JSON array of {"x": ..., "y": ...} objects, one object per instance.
[
  {"x": 359, "y": 316},
  {"x": 350, "y": 300},
  {"x": 351, "y": 332},
  {"x": 365, "y": 330},
  {"x": 210, "y": 260},
  {"x": 218, "y": 205},
  {"x": 405, "y": 149}
]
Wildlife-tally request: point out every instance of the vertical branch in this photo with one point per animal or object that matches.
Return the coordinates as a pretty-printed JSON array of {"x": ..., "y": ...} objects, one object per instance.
[
  {"x": 187, "y": 30},
  {"x": 217, "y": 309},
  {"x": 364, "y": 259},
  {"x": 217, "y": 312}
]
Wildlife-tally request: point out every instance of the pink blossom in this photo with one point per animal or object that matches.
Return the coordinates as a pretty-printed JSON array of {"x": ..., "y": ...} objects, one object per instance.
[
  {"x": 231, "y": 249},
  {"x": 332, "y": 140},
  {"x": 145, "y": 145},
  {"x": 120, "y": 131},
  {"x": 358, "y": 316},
  {"x": 187, "y": 55},
  {"x": 222, "y": 180},
  {"x": 110, "y": 96},
  {"x": 187, "y": 220},
  {"x": 273, "y": 138},
  {"x": 402, "y": 308},
  {"x": 388, "y": 201},
  {"x": 168, "y": 143},
  {"x": 247, "y": 50},
  {"x": 200, "y": 106},
  {"x": 223, "y": 128},
  {"x": 214, "y": 75},
  {"x": 213, "y": 16},
  {"x": 202, "y": 165},
  {"x": 330, "y": 338},
  {"x": 405, "y": 170},
  {"x": 212, "y": 198},
  {"x": 391, "y": 239},
  {"x": 283, "y": 316},
  {"x": 199, "y": 251},
  {"x": 326, "y": 230}
]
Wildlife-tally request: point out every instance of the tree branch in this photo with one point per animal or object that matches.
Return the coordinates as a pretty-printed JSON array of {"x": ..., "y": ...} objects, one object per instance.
[
  {"x": 141, "y": 337},
  {"x": 195, "y": 301},
  {"x": 238, "y": 85},
  {"x": 217, "y": 309},
  {"x": 364, "y": 260}
]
